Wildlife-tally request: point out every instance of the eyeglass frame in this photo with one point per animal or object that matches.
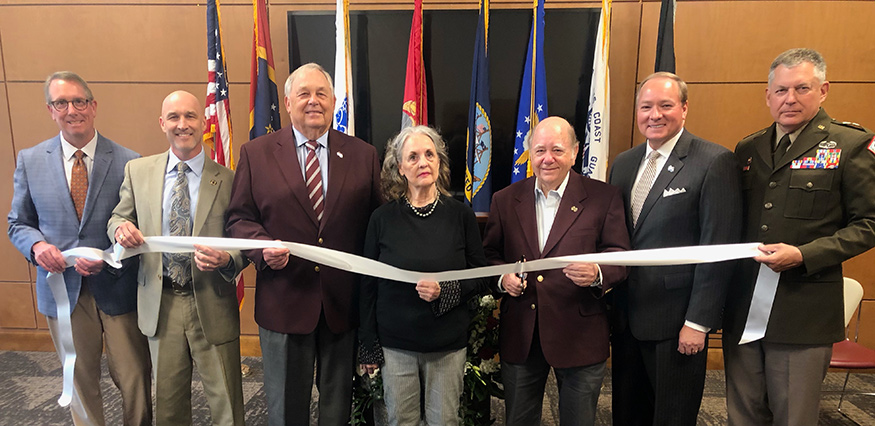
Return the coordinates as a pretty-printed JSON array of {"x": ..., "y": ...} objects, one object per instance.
[{"x": 67, "y": 103}]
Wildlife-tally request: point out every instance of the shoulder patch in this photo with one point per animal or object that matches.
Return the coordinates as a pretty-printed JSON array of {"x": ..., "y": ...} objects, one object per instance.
[
  {"x": 871, "y": 146},
  {"x": 850, "y": 124},
  {"x": 755, "y": 134}
]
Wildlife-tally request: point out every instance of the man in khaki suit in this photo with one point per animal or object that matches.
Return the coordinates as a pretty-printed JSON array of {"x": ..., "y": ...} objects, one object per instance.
[{"x": 189, "y": 313}]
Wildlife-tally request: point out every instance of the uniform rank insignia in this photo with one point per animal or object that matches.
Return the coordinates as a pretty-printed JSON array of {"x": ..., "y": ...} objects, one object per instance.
[
  {"x": 825, "y": 159},
  {"x": 872, "y": 146}
]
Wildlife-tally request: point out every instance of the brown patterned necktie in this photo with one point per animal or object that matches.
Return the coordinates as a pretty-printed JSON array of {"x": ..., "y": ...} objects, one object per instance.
[
  {"x": 79, "y": 183},
  {"x": 314, "y": 180}
]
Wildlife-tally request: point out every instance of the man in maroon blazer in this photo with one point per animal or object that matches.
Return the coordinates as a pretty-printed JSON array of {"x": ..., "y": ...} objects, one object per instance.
[
  {"x": 555, "y": 318},
  {"x": 306, "y": 312}
]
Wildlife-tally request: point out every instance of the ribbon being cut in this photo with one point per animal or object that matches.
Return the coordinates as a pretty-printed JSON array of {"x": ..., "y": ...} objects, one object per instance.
[{"x": 766, "y": 284}]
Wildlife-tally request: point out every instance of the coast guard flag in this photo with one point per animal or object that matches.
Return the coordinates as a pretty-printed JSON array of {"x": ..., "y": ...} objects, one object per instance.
[
  {"x": 478, "y": 183},
  {"x": 533, "y": 96},
  {"x": 414, "y": 107},
  {"x": 217, "y": 133},
  {"x": 598, "y": 125},
  {"x": 344, "y": 118},
  {"x": 264, "y": 105},
  {"x": 665, "y": 38}
]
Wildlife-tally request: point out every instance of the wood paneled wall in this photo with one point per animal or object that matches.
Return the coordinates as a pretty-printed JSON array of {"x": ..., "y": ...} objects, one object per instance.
[{"x": 135, "y": 52}]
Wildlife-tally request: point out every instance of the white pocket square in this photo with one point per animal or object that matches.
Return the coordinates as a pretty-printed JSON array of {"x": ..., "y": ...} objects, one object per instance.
[{"x": 673, "y": 191}]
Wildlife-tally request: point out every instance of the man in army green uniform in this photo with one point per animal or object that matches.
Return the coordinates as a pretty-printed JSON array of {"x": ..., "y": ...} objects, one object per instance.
[{"x": 808, "y": 184}]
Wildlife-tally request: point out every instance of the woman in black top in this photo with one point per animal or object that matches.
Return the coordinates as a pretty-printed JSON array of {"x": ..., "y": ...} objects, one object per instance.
[{"x": 419, "y": 332}]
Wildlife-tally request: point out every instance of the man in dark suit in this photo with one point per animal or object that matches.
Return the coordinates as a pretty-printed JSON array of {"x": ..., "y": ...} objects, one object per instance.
[
  {"x": 65, "y": 189},
  {"x": 808, "y": 187},
  {"x": 306, "y": 312},
  {"x": 559, "y": 318},
  {"x": 187, "y": 303},
  {"x": 679, "y": 190}
]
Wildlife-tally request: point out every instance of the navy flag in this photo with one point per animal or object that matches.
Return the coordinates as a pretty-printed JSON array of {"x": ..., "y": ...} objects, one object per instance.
[{"x": 478, "y": 183}]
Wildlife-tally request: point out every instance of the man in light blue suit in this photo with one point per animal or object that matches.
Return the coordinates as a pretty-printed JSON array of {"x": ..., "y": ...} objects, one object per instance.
[{"x": 64, "y": 191}]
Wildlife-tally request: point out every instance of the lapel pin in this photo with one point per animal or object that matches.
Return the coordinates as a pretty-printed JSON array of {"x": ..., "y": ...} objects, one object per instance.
[
  {"x": 339, "y": 154},
  {"x": 670, "y": 168},
  {"x": 214, "y": 182},
  {"x": 821, "y": 126},
  {"x": 574, "y": 209}
]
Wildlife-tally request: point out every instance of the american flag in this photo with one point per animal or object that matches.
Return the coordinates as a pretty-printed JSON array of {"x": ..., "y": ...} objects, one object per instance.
[
  {"x": 218, "y": 110},
  {"x": 217, "y": 134}
]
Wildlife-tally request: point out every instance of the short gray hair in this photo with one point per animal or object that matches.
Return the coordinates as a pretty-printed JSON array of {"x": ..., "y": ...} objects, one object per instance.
[
  {"x": 312, "y": 66},
  {"x": 393, "y": 183},
  {"x": 68, "y": 76},
  {"x": 682, "y": 85},
  {"x": 794, "y": 57}
]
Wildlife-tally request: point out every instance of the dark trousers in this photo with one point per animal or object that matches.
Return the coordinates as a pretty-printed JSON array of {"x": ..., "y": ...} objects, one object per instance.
[
  {"x": 289, "y": 361},
  {"x": 524, "y": 385},
  {"x": 653, "y": 383}
]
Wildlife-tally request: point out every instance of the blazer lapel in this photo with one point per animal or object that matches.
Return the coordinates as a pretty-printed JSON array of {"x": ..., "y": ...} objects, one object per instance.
[
  {"x": 286, "y": 157},
  {"x": 672, "y": 167},
  {"x": 337, "y": 172},
  {"x": 570, "y": 208},
  {"x": 155, "y": 186},
  {"x": 763, "y": 146},
  {"x": 525, "y": 212},
  {"x": 627, "y": 179},
  {"x": 208, "y": 189},
  {"x": 55, "y": 169},
  {"x": 100, "y": 166}
]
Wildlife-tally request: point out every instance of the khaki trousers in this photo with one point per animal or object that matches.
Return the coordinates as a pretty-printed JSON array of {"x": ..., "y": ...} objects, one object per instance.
[
  {"x": 127, "y": 355},
  {"x": 179, "y": 344}
]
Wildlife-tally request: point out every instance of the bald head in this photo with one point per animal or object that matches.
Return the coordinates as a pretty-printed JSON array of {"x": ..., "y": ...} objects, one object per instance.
[
  {"x": 183, "y": 122},
  {"x": 553, "y": 150}
]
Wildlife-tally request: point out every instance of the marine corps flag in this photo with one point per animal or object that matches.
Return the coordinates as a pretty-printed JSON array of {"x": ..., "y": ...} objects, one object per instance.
[
  {"x": 598, "y": 125},
  {"x": 478, "y": 183},
  {"x": 264, "y": 105},
  {"x": 414, "y": 108},
  {"x": 533, "y": 96},
  {"x": 665, "y": 38},
  {"x": 217, "y": 133},
  {"x": 344, "y": 117}
]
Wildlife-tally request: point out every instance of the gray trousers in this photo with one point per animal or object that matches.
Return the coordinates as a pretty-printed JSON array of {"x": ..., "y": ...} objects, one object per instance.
[
  {"x": 438, "y": 375},
  {"x": 772, "y": 383},
  {"x": 289, "y": 361}
]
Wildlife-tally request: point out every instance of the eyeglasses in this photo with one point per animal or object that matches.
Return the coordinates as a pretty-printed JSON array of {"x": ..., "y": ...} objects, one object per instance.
[{"x": 62, "y": 104}]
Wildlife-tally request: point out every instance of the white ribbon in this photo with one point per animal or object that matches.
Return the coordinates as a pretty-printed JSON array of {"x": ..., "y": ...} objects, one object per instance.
[
  {"x": 361, "y": 265},
  {"x": 761, "y": 305}
]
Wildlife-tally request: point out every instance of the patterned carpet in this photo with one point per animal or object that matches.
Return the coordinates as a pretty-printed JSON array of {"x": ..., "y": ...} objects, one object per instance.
[{"x": 30, "y": 383}]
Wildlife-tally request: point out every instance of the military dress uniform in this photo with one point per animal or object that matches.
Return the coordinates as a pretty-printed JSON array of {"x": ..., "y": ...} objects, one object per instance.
[{"x": 819, "y": 198}]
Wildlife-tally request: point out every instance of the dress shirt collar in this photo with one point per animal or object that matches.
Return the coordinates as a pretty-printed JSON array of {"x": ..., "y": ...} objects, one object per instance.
[
  {"x": 666, "y": 148},
  {"x": 793, "y": 135},
  {"x": 196, "y": 164},
  {"x": 89, "y": 148},
  {"x": 300, "y": 139},
  {"x": 559, "y": 191}
]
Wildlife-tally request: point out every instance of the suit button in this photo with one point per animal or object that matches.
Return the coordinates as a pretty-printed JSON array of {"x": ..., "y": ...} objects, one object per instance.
[
  {"x": 540, "y": 280},
  {"x": 533, "y": 306},
  {"x": 809, "y": 185},
  {"x": 773, "y": 185},
  {"x": 764, "y": 227},
  {"x": 768, "y": 206},
  {"x": 320, "y": 241},
  {"x": 316, "y": 268}
]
